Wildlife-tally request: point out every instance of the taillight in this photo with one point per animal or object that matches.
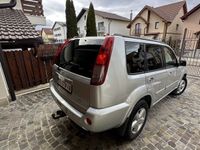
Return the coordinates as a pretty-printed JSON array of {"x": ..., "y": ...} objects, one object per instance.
[
  {"x": 59, "y": 51},
  {"x": 102, "y": 62}
]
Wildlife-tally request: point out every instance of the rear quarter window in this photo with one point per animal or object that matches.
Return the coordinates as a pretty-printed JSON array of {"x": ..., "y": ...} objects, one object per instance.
[{"x": 135, "y": 57}]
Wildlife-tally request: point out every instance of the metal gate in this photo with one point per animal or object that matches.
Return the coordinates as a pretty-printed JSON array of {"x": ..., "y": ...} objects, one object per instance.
[
  {"x": 190, "y": 51},
  {"x": 187, "y": 47}
]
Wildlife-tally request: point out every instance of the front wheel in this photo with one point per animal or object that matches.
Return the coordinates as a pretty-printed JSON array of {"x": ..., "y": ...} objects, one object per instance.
[
  {"x": 137, "y": 120},
  {"x": 181, "y": 88}
]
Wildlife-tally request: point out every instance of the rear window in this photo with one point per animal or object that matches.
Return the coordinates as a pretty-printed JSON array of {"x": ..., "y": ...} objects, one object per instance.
[{"x": 80, "y": 55}]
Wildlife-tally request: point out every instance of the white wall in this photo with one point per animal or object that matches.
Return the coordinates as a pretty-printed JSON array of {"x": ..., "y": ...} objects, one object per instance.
[
  {"x": 3, "y": 88},
  {"x": 61, "y": 34},
  {"x": 36, "y": 20},
  {"x": 116, "y": 26}
]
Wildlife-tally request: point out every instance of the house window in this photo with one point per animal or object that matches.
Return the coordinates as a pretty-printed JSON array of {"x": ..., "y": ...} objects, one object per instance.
[
  {"x": 101, "y": 26},
  {"x": 138, "y": 29},
  {"x": 78, "y": 30},
  {"x": 156, "y": 25},
  {"x": 85, "y": 17},
  {"x": 177, "y": 27}
]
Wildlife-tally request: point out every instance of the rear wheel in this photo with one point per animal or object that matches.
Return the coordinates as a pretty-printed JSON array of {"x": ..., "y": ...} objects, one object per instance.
[
  {"x": 181, "y": 88},
  {"x": 137, "y": 120}
]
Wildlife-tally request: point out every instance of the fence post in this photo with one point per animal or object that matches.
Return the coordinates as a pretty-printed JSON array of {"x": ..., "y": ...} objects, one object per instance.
[
  {"x": 182, "y": 48},
  {"x": 197, "y": 44},
  {"x": 7, "y": 75}
]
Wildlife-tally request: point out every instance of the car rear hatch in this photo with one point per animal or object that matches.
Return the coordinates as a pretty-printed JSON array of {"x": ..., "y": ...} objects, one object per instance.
[{"x": 73, "y": 70}]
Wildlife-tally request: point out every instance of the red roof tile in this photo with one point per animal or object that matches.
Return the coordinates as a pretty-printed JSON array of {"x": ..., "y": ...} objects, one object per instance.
[
  {"x": 48, "y": 31},
  {"x": 14, "y": 25},
  {"x": 166, "y": 12},
  {"x": 191, "y": 12}
]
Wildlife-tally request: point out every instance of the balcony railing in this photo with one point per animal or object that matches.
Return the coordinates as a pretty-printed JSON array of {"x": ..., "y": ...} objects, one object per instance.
[
  {"x": 137, "y": 32},
  {"x": 32, "y": 7}
]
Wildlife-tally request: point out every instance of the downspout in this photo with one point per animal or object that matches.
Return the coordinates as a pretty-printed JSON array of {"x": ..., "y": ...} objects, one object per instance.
[
  {"x": 131, "y": 17},
  {"x": 109, "y": 23},
  {"x": 165, "y": 31},
  {"x": 11, "y": 4},
  {"x": 148, "y": 20}
]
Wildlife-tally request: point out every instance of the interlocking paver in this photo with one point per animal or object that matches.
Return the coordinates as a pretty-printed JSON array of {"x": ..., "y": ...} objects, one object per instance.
[{"x": 174, "y": 123}]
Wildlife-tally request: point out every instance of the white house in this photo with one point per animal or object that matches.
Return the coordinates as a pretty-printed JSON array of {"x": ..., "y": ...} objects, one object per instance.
[
  {"x": 59, "y": 32},
  {"x": 106, "y": 23}
]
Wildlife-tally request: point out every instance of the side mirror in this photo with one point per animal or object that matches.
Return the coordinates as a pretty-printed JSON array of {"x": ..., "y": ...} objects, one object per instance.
[{"x": 182, "y": 63}]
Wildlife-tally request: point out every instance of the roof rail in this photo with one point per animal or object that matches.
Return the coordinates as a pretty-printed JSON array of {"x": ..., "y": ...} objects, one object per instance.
[{"x": 136, "y": 37}]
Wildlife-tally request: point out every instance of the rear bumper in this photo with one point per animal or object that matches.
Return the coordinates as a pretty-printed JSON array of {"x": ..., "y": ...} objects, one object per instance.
[{"x": 102, "y": 119}]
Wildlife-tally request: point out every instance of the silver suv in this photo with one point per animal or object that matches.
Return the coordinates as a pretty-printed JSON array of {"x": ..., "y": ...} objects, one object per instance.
[{"x": 110, "y": 82}]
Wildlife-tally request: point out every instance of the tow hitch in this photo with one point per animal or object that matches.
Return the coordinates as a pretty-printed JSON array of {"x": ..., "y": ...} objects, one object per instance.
[{"x": 58, "y": 114}]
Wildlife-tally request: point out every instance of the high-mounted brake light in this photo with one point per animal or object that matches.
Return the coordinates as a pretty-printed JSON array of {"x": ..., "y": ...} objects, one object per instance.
[
  {"x": 102, "y": 62},
  {"x": 59, "y": 51}
]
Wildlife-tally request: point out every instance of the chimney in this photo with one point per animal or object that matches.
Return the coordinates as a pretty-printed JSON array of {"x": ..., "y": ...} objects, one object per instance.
[{"x": 131, "y": 15}]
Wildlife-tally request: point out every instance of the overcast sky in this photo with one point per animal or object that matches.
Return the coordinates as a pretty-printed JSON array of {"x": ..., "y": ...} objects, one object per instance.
[{"x": 54, "y": 10}]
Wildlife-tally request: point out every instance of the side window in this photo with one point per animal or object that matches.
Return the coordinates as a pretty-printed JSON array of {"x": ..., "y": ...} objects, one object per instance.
[
  {"x": 170, "y": 58},
  {"x": 134, "y": 57},
  {"x": 154, "y": 57}
]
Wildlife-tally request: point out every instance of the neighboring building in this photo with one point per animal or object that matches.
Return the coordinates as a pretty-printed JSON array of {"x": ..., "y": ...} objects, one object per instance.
[
  {"x": 47, "y": 35},
  {"x": 106, "y": 23},
  {"x": 191, "y": 21},
  {"x": 33, "y": 10},
  {"x": 59, "y": 32},
  {"x": 160, "y": 23},
  {"x": 16, "y": 31}
]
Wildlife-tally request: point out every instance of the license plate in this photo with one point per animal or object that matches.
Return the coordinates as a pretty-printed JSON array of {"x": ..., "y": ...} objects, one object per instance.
[{"x": 65, "y": 83}]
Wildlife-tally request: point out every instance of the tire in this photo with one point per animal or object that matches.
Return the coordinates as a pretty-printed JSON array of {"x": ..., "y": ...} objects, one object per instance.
[
  {"x": 133, "y": 129},
  {"x": 181, "y": 88}
]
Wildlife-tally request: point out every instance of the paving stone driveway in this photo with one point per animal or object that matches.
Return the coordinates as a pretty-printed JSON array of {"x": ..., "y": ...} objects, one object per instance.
[{"x": 173, "y": 123}]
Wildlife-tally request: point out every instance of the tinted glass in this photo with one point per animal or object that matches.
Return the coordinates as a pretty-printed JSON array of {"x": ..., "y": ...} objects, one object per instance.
[
  {"x": 170, "y": 58},
  {"x": 80, "y": 56},
  {"x": 134, "y": 57},
  {"x": 154, "y": 57}
]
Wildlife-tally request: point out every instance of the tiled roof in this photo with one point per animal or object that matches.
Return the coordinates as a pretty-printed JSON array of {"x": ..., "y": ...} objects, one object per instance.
[
  {"x": 14, "y": 25},
  {"x": 60, "y": 23},
  {"x": 166, "y": 12},
  {"x": 104, "y": 14},
  {"x": 191, "y": 12},
  {"x": 169, "y": 12},
  {"x": 48, "y": 31}
]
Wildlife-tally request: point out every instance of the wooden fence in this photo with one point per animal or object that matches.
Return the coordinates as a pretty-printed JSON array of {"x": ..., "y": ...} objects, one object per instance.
[{"x": 28, "y": 70}]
